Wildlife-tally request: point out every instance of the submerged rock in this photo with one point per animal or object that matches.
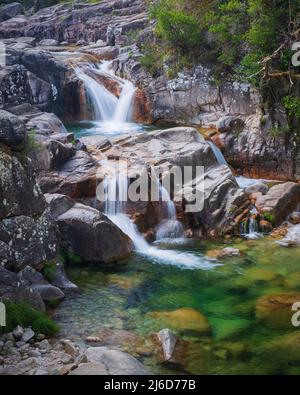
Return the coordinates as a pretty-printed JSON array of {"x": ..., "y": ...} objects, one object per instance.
[
  {"x": 184, "y": 319},
  {"x": 275, "y": 310}
]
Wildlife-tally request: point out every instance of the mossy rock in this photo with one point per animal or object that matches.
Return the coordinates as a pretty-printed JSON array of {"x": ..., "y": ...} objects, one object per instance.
[
  {"x": 184, "y": 319},
  {"x": 286, "y": 347},
  {"x": 292, "y": 280},
  {"x": 275, "y": 310}
]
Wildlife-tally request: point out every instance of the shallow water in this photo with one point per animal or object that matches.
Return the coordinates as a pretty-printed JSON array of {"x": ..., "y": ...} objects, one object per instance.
[{"x": 125, "y": 296}]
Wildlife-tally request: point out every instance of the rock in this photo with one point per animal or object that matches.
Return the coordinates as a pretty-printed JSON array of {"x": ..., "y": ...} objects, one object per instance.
[
  {"x": 18, "y": 189},
  {"x": 59, "y": 204},
  {"x": 229, "y": 252},
  {"x": 89, "y": 369},
  {"x": 43, "y": 345},
  {"x": 28, "y": 335},
  {"x": 286, "y": 347},
  {"x": 265, "y": 226},
  {"x": 48, "y": 42},
  {"x": 292, "y": 237},
  {"x": 59, "y": 153},
  {"x": 91, "y": 235},
  {"x": 11, "y": 289},
  {"x": 75, "y": 178},
  {"x": 49, "y": 292},
  {"x": 168, "y": 342},
  {"x": 182, "y": 147},
  {"x": 116, "y": 362},
  {"x": 230, "y": 123},
  {"x": 184, "y": 319},
  {"x": 12, "y": 131},
  {"x": 275, "y": 310},
  {"x": 71, "y": 349},
  {"x": 281, "y": 200},
  {"x": 61, "y": 280},
  {"x": 10, "y": 10},
  {"x": 259, "y": 187},
  {"x": 18, "y": 332},
  {"x": 294, "y": 218}
]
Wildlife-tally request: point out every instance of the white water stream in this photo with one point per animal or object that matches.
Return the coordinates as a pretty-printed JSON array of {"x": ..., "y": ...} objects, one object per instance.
[
  {"x": 116, "y": 192},
  {"x": 112, "y": 114}
]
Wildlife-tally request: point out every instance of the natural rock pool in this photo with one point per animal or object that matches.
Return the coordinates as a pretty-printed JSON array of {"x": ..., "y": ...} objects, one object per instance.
[{"x": 225, "y": 324}]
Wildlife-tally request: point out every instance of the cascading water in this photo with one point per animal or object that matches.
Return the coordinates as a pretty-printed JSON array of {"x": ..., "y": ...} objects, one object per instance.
[
  {"x": 218, "y": 154},
  {"x": 169, "y": 228},
  {"x": 116, "y": 189},
  {"x": 112, "y": 114},
  {"x": 103, "y": 101}
]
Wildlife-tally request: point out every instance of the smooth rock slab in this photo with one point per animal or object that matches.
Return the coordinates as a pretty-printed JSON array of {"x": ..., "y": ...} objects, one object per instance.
[{"x": 116, "y": 362}]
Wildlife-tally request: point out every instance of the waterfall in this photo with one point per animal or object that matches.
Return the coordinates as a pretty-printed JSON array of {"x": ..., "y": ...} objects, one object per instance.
[
  {"x": 111, "y": 113},
  {"x": 169, "y": 228},
  {"x": 218, "y": 154},
  {"x": 116, "y": 191},
  {"x": 103, "y": 101}
]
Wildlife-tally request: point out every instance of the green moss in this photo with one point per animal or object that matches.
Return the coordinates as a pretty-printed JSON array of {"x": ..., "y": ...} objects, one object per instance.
[
  {"x": 270, "y": 217},
  {"x": 49, "y": 271},
  {"x": 32, "y": 144},
  {"x": 26, "y": 316},
  {"x": 70, "y": 257}
]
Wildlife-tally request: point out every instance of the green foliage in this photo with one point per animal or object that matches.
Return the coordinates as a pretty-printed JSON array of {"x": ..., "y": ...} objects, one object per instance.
[
  {"x": 151, "y": 60},
  {"x": 234, "y": 35},
  {"x": 180, "y": 29},
  {"x": 292, "y": 106},
  {"x": 270, "y": 217},
  {"x": 49, "y": 270},
  {"x": 32, "y": 144},
  {"x": 277, "y": 132},
  {"x": 23, "y": 314}
]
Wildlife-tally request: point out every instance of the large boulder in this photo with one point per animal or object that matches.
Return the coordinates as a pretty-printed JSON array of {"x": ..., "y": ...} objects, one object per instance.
[
  {"x": 31, "y": 241},
  {"x": 116, "y": 362},
  {"x": 12, "y": 131},
  {"x": 91, "y": 235},
  {"x": 14, "y": 290},
  {"x": 180, "y": 147},
  {"x": 281, "y": 200}
]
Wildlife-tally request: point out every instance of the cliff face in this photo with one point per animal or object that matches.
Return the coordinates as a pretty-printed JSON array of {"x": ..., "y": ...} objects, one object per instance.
[{"x": 28, "y": 235}]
